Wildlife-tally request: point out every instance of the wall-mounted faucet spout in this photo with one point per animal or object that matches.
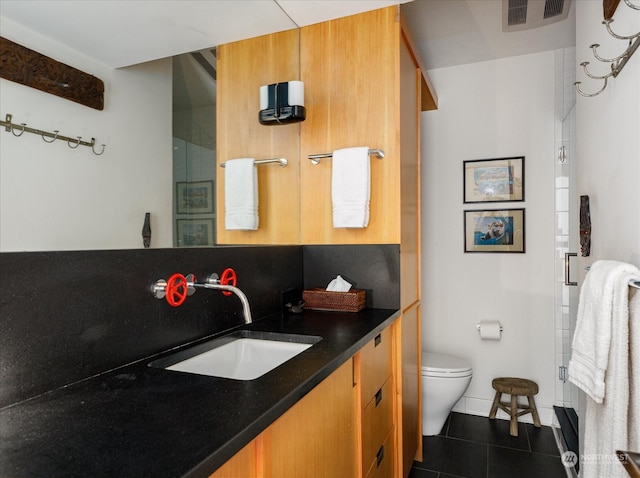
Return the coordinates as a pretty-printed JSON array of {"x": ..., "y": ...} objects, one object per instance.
[{"x": 214, "y": 284}]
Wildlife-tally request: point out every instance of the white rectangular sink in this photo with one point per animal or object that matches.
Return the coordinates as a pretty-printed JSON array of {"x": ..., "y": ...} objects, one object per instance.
[{"x": 242, "y": 356}]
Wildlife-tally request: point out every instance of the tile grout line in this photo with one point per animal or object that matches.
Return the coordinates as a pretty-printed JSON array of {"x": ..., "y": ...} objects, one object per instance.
[
  {"x": 488, "y": 461},
  {"x": 528, "y": 440}
]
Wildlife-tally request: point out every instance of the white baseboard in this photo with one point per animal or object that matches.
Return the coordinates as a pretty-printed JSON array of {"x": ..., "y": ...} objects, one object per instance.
[{"x": 482, "y": 407}]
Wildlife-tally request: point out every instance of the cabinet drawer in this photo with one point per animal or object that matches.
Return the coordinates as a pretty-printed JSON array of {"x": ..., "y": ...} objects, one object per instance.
[
  {"x": 375, "y": 364},
  {"x": 383, "y": 462},
  {"x": 377, "y": 421}
]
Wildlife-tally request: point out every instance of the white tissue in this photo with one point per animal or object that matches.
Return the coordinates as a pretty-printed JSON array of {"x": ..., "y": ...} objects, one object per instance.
[{"x": 339, "y": 285}]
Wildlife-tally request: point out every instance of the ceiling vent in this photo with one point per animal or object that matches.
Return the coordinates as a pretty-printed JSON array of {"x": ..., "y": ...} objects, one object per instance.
[{"x": 526, "y": 14}]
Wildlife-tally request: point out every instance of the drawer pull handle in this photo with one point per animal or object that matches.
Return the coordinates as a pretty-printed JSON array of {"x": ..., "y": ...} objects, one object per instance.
[
  {"x": 378, "y": 397},
  {"x": 380, "y": 456},
  {"x": 377, "y": 340}
]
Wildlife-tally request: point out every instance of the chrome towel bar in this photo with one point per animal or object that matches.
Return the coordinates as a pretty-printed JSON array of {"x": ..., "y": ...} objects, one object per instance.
[
  {"x": 283, "y": 162},
  {"x": 315, "y": 158}
]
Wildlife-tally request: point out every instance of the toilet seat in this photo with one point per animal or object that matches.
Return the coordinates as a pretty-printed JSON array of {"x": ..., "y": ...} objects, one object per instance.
[{"x": 445, "y": 366}]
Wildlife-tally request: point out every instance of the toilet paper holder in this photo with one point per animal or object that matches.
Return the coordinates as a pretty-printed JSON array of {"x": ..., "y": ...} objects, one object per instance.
[{"x": 478, "y": 327}]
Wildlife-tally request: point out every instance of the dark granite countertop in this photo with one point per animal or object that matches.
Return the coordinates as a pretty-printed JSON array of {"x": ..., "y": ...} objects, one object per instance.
[{"x": 141, "y": 421}]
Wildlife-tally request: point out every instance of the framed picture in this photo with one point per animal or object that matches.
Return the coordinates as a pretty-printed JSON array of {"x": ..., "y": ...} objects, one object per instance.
[
  {"x": 497, "y": 230},
  {"x": 194, "y": 197},
  {"x": 195, "y": 232},
  {"x": 493, "y": 180}
]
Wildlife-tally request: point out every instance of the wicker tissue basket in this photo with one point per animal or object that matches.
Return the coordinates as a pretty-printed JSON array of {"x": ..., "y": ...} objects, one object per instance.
[{"x": 321, "y": 299}]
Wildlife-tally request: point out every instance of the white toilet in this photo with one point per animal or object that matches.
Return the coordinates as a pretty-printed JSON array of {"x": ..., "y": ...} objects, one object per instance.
[{"x": 445, "y": 378}]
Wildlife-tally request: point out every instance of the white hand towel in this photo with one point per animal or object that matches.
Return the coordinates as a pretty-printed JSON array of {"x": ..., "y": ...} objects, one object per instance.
[
  {"x": 596, "y": 312},
  {"x": 351, "y": 187},
  {"x": 241, "y": 195}
]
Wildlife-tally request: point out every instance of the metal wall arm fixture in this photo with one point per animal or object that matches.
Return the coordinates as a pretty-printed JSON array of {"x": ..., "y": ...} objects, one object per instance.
[
  {"x": 73, "y": 143},
  {"x": 617, "y": 63},
  {"x": 283, "y": 162},
  {"x": 315, "y": 158}
]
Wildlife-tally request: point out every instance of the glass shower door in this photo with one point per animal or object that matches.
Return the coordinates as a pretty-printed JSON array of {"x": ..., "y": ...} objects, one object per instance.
[{"x": 567, "y": 245}]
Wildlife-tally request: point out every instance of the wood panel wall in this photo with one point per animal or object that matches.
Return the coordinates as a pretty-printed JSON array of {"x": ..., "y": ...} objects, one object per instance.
[
  {"x": 350, "y": 70},
  {"x": 242, "y": 68}
]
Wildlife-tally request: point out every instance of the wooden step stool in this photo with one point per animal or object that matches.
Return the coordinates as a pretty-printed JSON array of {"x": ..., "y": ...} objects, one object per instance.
[{"x": 515, "y": 387}]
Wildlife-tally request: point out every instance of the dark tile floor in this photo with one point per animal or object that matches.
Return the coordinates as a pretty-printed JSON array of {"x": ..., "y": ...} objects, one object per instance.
[{"x": 470, "y": 446}]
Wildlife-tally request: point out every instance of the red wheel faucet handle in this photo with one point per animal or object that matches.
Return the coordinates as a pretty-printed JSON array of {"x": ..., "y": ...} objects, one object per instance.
[
  {"x": 176, "y": 290},
  {"x": 228, "y": 278}
]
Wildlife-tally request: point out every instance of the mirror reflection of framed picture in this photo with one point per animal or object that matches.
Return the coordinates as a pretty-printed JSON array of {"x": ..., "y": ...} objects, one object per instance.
[
  {"x": 195, "y": 232},
  {"x": 194, "y": 197},
  {"x": 496, "y": 230},
  {"x": 493, "y": 180}
]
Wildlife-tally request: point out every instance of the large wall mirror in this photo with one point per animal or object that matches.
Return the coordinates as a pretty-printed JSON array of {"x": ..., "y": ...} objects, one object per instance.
[
  {"x": 159, "y": 156},
  {"x": 54, "y": 197}
]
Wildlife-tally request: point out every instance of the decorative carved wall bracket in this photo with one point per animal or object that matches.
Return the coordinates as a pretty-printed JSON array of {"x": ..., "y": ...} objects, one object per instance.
[
  {"x": 30, "y": 68},
  {"x": 585, "y": 227},
  {"x": 609, "y": 8}
]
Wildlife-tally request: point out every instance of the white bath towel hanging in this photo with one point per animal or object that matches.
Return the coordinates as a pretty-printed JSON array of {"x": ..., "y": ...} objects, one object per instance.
[
  {"x": 592, "y": 337},
  {"x": 241, "y": 195},
  {"x": 600, "y": 365},
  {"x": 351, "y": 187},
  {"x": 633, "y": 424}
]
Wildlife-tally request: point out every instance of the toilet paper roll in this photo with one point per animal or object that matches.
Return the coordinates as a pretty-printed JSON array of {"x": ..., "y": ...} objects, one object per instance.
[{"x": 489, "y": 329}]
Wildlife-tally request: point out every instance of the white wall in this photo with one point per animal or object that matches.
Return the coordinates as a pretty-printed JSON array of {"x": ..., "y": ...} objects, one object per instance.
[
  {"x": 53, "y": 197},
  {"x": 608, "y": 133},
  {"x": 490, "y": 110}
]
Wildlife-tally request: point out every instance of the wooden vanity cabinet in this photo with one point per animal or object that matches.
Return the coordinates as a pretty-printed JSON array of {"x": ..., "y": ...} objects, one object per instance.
[
  {"x": 344, "y": 427},
  {"x": 318, "y": 436},
  {"x": 240, "y": 465},
  {"x": 377, "y": 401}
]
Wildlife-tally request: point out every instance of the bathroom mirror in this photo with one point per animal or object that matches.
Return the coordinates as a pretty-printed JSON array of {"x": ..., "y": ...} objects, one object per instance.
[{"x": 56, "y": 197}]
